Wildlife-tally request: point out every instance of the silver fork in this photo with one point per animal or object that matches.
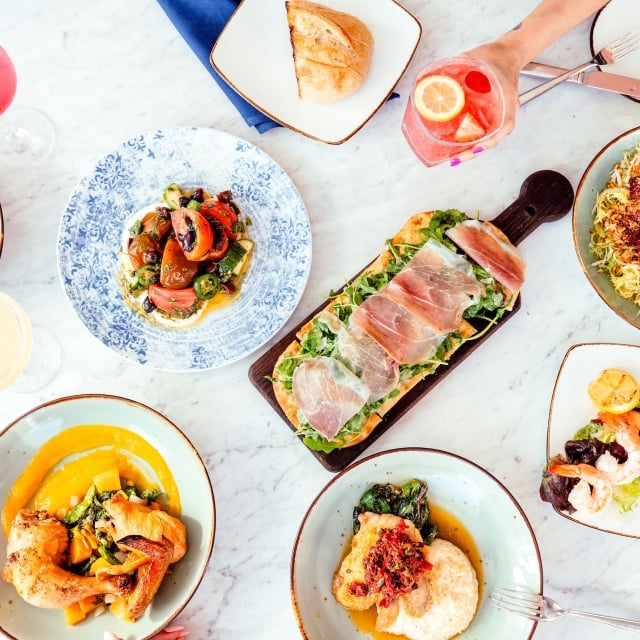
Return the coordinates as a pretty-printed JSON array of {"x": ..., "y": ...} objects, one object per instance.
[
  {"x": 613, "y": 52},
  {"x": 541, "y": 608}
]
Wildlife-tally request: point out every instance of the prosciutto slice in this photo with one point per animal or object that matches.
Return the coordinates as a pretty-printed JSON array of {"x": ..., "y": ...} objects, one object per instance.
[
  {"x": 370, "y": 362},
  {"x": 405, "y": 338},
  {"x": 491, "y": 250},
  {"x": 328, "y": 394},
  {"x": 436, "y": 286}
]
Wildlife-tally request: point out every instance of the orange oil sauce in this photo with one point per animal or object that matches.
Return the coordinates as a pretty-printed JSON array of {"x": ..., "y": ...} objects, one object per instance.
[
  {"x": 449, "y": 528},
  {"x": 65, "y": 465}
]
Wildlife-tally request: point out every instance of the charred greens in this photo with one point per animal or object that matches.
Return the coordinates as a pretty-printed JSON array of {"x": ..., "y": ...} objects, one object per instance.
[{"x": 408, "y": 501}]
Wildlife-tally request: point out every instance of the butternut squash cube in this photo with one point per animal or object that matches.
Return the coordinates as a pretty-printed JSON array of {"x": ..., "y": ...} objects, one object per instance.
[
  {"x": 74, "y": 614},
  {"x": 107, "y": 480}
]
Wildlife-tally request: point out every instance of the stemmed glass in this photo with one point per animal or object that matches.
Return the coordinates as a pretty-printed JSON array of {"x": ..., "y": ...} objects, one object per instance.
[
  {"x": 29, "y": 357},
  {"x": 26, "y": 134}
]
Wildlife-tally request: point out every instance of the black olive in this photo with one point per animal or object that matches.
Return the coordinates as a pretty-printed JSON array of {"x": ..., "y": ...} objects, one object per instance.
[
  {"x": 227, "y": 287},
  {"x": 198, "y": 195},
  {"x": 211, "y": 267},
  {"x": 187, "y": 240},
  {"x": 152, "y": 257},
  {"x": 183, "y": 201},
  {"x": 164, "y": 212},
  {"x": 225, "y": 196},
  {"x": 147, "y": 305}
]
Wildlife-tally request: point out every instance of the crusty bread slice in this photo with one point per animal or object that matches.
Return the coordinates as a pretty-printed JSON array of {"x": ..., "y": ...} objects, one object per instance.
[{"x": 331, "y": 51}]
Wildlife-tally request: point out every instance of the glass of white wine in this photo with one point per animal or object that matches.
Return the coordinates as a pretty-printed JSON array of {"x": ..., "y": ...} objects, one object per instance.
[{"x": 29, "y": 357}]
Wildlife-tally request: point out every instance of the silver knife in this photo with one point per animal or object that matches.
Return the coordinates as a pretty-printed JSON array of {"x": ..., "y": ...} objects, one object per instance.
[{"x": 597, "y": 79}]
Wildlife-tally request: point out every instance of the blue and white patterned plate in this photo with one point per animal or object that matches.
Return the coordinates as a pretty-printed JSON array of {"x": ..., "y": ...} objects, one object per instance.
[{"x": 134, "y": 176}]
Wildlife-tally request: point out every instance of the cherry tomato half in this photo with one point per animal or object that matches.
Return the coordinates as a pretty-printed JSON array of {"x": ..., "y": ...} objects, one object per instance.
[
  {"x": 222, "y": 212},
  {"x": 178, "y": 303},
  {"x": 193, "y": 232},
  {"x": 143, "y": 249},
  {"x": 221, "y": 242},
  {"x": 157, "y": 223},
  {"x": 176, "y": 272}
]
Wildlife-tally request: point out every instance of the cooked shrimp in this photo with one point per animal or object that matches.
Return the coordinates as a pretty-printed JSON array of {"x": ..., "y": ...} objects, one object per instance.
[
  {"x": 594, "y": 490},
  {"x": 36, "y": 549},
  {"x": 626, "y": 427}
]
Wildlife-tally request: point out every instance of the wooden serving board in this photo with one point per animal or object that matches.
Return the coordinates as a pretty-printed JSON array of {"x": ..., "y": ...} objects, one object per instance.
[{"x": 544, "y": 196}]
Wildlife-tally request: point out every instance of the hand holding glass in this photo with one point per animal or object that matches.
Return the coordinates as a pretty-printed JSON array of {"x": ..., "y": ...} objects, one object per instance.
[{"x": 454, "y": 105}]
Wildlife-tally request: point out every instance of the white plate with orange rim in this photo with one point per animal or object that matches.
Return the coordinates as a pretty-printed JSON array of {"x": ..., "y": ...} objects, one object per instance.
[
  {"x": 263, "y": 73},
  {"x": 20, "y": 441},
  {"x": 506, "y": 544},
  {"x": 615, "y": 19},
  {"x": 571, "y": 409}
]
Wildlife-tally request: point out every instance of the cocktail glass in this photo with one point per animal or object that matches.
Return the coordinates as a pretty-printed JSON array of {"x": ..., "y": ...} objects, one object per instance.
[
  {"x": 27, "y": 135},
  {"x": 464, "y": 106},
  {"x": 29, "y": 357}
]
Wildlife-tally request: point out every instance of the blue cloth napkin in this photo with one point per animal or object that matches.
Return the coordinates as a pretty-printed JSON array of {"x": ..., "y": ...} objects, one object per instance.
[{"x": 200, "y": 22}]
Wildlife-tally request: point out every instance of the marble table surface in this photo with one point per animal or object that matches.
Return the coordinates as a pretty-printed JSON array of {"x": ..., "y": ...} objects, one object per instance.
[{"x": 105, "y": 71}]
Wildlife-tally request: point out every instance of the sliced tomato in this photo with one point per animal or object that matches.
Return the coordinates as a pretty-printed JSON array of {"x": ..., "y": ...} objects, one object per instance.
[
  {"x": 176, "y": 272},
  {"x": 222, "y": 212},
  {"x": 143, "y": 249},
  {"x": 157, "y": 223},
  {"x": 178, "y": 303},
  {"x": 193, "y": 232},
  {"x": 221, "y": 242}
]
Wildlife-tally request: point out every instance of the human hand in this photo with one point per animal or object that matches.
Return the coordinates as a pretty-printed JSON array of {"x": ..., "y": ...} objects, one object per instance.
[
  {"x": 506, "y": 65},
  {"x": 170, "y": 633}
]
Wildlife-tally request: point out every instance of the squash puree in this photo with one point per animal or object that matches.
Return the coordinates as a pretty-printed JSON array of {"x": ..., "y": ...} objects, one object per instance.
[{"x": 41, "y": 488}]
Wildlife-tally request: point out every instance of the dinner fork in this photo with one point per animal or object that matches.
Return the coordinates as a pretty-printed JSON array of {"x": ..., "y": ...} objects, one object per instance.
[
  {"x": 613, "y": 52},
  {"x": 537, "y": 607}
]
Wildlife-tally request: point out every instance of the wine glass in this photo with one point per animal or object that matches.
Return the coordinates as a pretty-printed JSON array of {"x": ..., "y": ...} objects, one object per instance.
[
  {"x": 26, "y": 134},
  {"x": 29, "y": 357}
]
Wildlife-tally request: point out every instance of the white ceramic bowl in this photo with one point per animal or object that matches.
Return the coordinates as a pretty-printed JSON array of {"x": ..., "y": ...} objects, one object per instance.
[
  {"x": 592, "y": 182},
  {"x": 19, "y": 442},
  {"x": 500, "y": 529}
]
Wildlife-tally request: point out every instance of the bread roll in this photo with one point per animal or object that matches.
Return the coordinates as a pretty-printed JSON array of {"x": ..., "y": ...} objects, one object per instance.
[{"x": 331, "y": 51}]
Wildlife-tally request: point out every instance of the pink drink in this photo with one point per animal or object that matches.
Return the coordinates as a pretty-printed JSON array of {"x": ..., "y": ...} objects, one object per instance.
[
  {"x": 8, "y": 81},
  {"x": 481, "y": 116}
]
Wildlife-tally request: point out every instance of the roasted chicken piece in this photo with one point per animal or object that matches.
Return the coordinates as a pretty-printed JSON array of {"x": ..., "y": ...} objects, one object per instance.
[
  {"x": 36, "y": 549},
  {"x": 138, "y": 529},
  {"x": 149, "y": 576},
  {"x": 128, "y": 518}
]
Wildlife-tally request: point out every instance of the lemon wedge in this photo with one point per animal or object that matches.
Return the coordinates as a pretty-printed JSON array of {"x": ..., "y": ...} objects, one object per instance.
[{"x": 614, "y": 391}]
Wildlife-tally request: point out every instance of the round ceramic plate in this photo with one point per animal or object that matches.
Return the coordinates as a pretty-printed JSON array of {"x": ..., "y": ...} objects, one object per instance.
[
  {"x": 571, "y": 409},
  {"x": 500, "y": 529},
  {"x": 20, "y": 441},
  {"x": 592, "y": 182},
  {"x": 134, "y": 176},
  {"x": 616, "y": 19}
]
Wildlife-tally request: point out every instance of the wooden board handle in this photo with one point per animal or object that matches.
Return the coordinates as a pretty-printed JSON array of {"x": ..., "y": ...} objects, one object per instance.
[{"x": 544, "y": 196}]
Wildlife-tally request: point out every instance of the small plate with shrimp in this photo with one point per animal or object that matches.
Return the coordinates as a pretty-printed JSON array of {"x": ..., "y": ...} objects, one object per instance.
[{"x": 592, "y": 475}]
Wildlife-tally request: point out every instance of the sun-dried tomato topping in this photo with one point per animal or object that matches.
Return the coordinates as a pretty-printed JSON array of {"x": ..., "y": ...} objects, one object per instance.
[{"x": 392, "y": 566}]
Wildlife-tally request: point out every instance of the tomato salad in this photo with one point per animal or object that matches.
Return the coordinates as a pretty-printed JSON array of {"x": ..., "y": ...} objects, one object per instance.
[{"x": 186, "y": 255}]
